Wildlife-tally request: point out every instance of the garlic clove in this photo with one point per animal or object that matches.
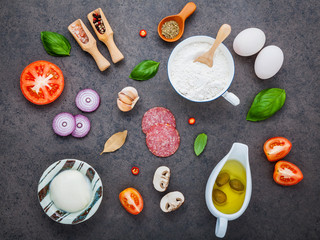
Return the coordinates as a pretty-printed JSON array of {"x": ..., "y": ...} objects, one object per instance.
[
  {"x": 127, "y": 98},
  {"x": 124, "y": 98},
  {"x": 123, "y": 106},
  {"x": 134, "y": 102},
  {"x": 130, "y": 92}
]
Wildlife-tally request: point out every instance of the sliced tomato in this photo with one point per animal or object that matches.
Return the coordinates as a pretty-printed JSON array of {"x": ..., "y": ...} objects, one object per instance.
[
  {"x": 131, "y": 200},
  {"x": 287, "y": 174},
  {"x": 276, "y": 148},
  {"x": 41, "y": 82}
]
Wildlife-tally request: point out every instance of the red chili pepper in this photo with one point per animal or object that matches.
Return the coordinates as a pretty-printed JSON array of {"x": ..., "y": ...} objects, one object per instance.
[
  {"x": 143, "y": 33},
  {"x": 135, "y": 170},
  {"x": 192, "y": 121}
]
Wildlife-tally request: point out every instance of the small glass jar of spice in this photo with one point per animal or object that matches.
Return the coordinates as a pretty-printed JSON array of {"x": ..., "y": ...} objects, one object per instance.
[{"x": 98, "y": 23}]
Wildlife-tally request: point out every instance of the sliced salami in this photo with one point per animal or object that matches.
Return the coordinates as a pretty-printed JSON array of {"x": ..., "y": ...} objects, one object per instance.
[
  {"x": 157, "y": 115},
  {"x": 163, "y": 140}
]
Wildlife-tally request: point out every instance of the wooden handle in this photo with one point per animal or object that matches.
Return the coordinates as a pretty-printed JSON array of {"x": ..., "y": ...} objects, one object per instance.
[
  {"x": 107, "y": 36},
  {"x": 115, "y": 53},
  {"x": 102, "y": 63},
  {"x": 188, "y": 9},
  {"x": 223, "y": 33}
]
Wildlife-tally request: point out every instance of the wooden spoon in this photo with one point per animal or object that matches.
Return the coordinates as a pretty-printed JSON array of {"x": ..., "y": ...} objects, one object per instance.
[
  {"x": 107, "y": 36},
  {"x": 180, "y": 18},
  {"x": 89, "y": 46},
  {"x": 207, "y": 58}
]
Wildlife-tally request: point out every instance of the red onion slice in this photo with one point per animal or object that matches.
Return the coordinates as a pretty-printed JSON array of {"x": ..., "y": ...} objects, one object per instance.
[
  {"x": 87, "y": 100},
  {"x": 82, "y": 126},
  {"x": 64, "y": 124}
]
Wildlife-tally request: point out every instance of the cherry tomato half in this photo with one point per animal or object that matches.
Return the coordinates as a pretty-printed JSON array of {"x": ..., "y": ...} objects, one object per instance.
[
  {"x": 143, "y": 33},
  {"x": 286, "y": 173},
  {"x": 192, "y": 121},
  {"x": 131, "y": 200},
  {"x": 135, "y": 170},
  {"x": 276, "y": 148},
  {"x": 41, "y": 82}
]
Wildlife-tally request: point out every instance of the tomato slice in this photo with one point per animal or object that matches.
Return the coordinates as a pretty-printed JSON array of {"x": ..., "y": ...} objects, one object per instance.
[
  {"x": 286, "y": 173},
  {"x": 276, "y": 148},
  {"x": 131, "y": 200},
  {"x": 41, "y": 82}
]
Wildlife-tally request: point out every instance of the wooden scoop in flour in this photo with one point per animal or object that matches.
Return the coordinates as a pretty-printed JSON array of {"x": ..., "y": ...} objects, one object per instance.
[
  {"x": 88, "y": 43},
  {"x": 106, "y": 35},
  {"x": 207, "y": 58}
]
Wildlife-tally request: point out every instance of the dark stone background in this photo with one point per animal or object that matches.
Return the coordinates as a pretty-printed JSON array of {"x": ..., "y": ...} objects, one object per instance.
[{"x": 28, "y": 145}]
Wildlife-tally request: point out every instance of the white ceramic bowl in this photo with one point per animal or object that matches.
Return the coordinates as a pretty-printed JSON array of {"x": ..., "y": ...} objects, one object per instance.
[
  {"x": 235, "y": 100},
  {"x": 47, "y": 204}
]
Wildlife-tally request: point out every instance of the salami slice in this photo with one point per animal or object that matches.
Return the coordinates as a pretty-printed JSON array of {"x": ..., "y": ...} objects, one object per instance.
[
  {"x": 157, "y": 115},
  {"x": 163, "y": 140}
]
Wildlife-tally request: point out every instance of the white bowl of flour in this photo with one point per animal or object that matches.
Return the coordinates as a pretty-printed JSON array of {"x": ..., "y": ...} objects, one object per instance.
[{"x": 196, "y": 81}]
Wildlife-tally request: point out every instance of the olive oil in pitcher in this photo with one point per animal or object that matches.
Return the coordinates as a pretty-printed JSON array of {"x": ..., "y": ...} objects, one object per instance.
[{"x": 229, "y": 189}]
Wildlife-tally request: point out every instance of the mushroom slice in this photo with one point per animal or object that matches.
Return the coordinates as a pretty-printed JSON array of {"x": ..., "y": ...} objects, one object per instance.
[
  {"x": 171, "y": 201},
  {"x": 161, "y": 178}
]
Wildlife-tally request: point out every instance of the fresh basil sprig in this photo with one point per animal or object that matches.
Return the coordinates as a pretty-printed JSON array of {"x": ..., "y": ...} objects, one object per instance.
[
  {"x": 266, "y": 103},
  {"x": 200, "y": 143},
  {"x": 144, "y": 70},
  {"x": 55, "y": 44}
]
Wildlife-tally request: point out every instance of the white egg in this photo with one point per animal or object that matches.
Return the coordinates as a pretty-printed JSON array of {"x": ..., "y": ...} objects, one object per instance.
[
  {"x": 249, "y": 42},
  {"x": 268, "y": 62}
]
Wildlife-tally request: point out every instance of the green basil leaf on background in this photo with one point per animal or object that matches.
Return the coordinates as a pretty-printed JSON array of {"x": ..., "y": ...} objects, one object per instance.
[
  {"x": 266, "y": 103},
  {"x": 200, "y": 143},
  {"x": 55, "y": 44},
  {"x": 144, "y": 70}
]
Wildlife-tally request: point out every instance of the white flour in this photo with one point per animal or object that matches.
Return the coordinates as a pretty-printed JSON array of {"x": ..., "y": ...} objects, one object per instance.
[{"x": 196, "y": 80}]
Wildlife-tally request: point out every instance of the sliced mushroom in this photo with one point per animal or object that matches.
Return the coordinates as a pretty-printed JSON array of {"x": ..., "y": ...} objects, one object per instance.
[
  {"x": 161, "y": 178},
  {"x": 171, "y": 201}
]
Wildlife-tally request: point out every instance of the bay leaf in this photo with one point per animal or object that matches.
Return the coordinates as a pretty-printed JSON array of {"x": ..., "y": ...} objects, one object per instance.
[{"x": 115, "y": 142}]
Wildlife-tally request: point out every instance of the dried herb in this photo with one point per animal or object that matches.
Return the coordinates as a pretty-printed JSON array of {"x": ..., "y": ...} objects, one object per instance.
[
  {"x": 115, "y": 142},
  {"x": 170, "y": 29},
  {"x": 200, "y": 143}
]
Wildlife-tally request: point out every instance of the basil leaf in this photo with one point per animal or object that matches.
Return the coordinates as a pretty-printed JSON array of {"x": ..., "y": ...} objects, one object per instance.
[
  {"x": 144, "y": 70},
  {"x": 55, "y": 44},
  {"x": 200, "y": 143},
  {"x": 266, "y": 103}
]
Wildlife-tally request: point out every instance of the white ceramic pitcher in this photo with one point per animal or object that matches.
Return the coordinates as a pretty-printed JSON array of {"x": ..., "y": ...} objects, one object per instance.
[{"x": 238, "y": 152}]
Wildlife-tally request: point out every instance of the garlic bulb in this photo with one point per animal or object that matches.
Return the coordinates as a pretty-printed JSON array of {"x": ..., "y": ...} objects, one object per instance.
[{"x": 127, "y": 98}]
